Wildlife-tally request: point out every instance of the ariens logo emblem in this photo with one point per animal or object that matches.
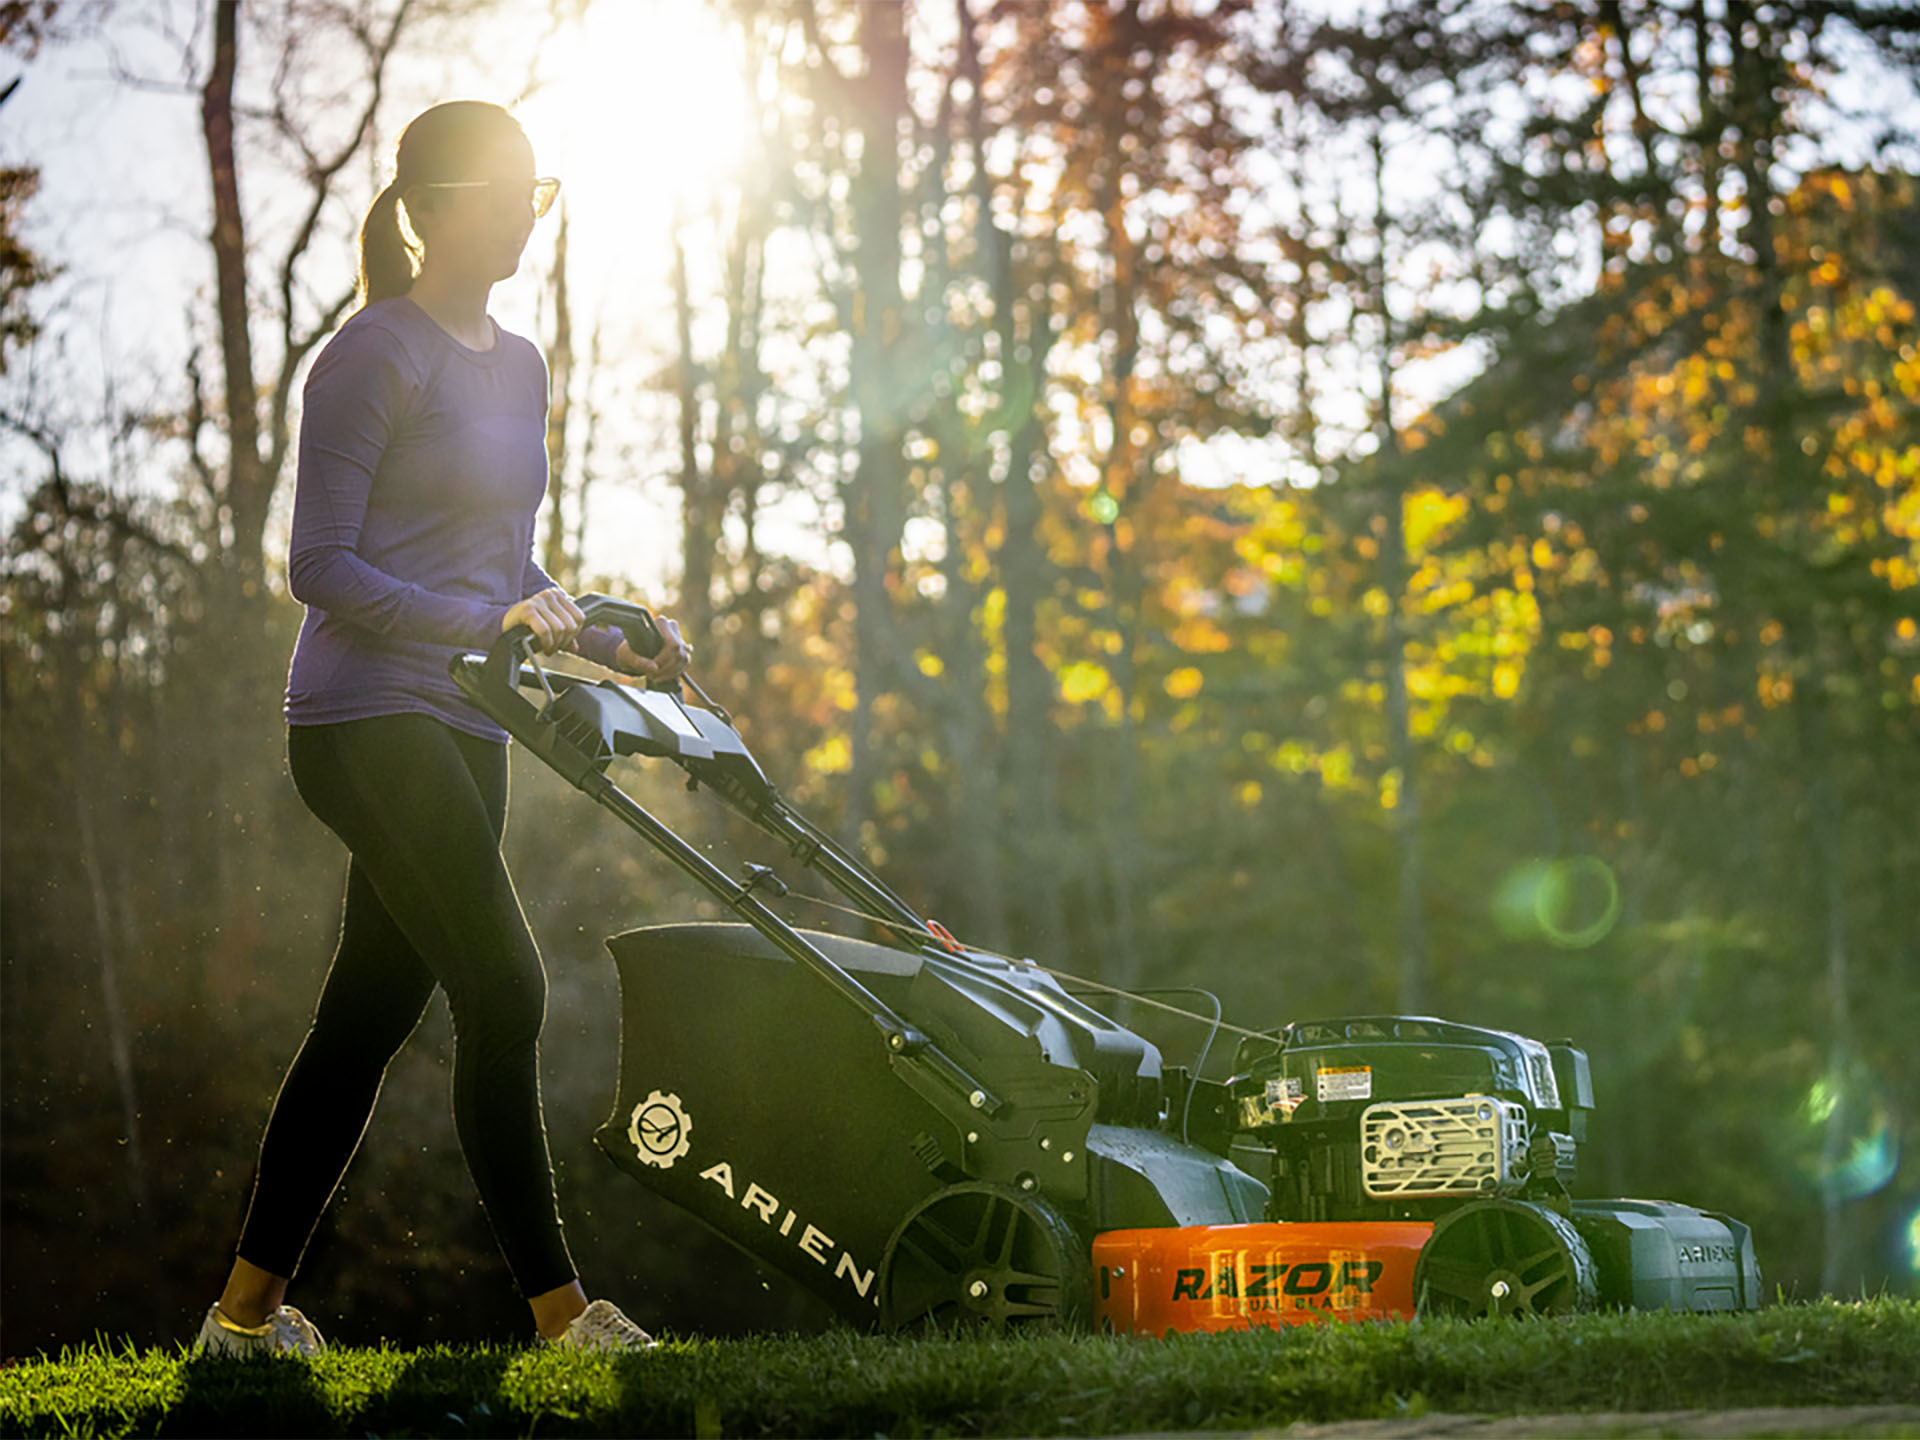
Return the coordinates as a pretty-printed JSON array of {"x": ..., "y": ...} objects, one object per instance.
[{"x": 659, "y": 1130}]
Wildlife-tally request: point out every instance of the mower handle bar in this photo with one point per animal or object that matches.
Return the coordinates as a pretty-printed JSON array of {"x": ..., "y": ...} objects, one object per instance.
[
  {"x": 501, "y": 673},
  {"x": 634, "y": 622}
]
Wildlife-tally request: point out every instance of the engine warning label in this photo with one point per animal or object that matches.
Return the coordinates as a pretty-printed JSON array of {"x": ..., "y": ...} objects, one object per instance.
[{"x": 1343, "y": 1082}]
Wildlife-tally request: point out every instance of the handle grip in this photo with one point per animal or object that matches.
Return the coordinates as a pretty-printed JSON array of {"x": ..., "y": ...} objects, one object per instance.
[{"x": 634, "y": 622}]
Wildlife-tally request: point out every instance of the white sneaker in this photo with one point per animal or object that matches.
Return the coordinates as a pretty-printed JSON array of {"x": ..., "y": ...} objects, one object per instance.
[
  {"x": 287, "y": 1332},
  {"x": 601, "y": 1326}
]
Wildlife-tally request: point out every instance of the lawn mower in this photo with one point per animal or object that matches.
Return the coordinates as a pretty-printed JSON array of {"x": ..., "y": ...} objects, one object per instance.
[{"x": 919, "y": 1131}]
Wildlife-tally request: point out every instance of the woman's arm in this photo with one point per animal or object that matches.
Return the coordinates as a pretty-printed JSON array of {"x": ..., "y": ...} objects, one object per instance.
[{"x": 353, "y": 400}]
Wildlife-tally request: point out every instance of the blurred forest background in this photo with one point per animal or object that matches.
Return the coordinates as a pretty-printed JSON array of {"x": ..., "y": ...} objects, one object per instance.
[{"x": 1356, "y": 507}]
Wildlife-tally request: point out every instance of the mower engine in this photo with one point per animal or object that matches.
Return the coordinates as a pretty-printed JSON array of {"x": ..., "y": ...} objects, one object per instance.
[
  {"x": 1396, "y": 1118},
  {"x": 1417, "y": 1165}
]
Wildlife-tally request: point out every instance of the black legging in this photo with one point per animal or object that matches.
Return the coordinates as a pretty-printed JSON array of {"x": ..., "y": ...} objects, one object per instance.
[{"x": 429, "y": 902}]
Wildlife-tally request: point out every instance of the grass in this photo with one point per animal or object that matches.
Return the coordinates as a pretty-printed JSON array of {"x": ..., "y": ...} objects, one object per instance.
[{"x": 847, "y": 1384}]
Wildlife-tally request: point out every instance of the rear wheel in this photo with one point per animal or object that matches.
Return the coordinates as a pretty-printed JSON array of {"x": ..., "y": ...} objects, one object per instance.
[
  {"x": 1504, "y": 1257},
  {"x": 986, "y": 1256}
]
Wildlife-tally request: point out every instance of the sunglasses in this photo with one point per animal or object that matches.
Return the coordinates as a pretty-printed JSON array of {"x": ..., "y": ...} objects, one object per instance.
[{"x": 540, "y": 194}]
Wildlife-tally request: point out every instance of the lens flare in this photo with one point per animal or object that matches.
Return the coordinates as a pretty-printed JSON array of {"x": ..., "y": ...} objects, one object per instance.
[
  {"x": 1913, "y": 1242},
  {"x": 1572, "y": 903},
  {"x": 1848, "y": 1141}
]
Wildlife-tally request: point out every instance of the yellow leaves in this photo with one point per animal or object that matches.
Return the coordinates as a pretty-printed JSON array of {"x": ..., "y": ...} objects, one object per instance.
[
  {"x": 832, "y": 756},
  {"x": 931, "y": 665},
  {"x": 1084, "y": 681},
  {"x": 1429, "y": 515},
  {"x": 1336, "y": 768},
  {"x": 1293, "y": 757},
  {"x": 1247, "y": 794},
  {"x": 1902, "y": 516},
  {"x": 1542, "y": 555},
  {"x": 1434, "y": 682},
  {"x": 993, "y": 610},
  {"x": 1184, "y": 683},
  {"x": 1506, "y": 679},
  {"x": 1694, "y": 385}
]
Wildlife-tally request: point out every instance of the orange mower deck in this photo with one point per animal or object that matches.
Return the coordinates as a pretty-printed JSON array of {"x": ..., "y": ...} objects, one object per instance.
[{"x": 1232, "y": 1277}]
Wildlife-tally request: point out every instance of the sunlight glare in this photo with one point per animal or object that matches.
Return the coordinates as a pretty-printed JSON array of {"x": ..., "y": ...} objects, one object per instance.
[
  {"x": 1849, "y": 1141},
  {"x": 641, "y": 112}
]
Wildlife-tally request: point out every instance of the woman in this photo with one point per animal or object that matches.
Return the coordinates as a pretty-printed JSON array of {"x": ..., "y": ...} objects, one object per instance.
[{"x": 422, "y": 462}]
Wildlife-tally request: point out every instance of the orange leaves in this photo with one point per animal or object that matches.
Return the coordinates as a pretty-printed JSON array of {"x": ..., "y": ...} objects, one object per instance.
[{"x": 1200, "y": 635}]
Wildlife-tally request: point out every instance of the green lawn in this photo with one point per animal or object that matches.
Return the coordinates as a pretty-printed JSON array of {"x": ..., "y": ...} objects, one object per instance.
[{"x": 846, "y": 1384}]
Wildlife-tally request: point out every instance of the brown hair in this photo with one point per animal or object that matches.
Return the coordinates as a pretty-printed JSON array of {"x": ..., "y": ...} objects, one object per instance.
[{"x": 440, "y": 144}]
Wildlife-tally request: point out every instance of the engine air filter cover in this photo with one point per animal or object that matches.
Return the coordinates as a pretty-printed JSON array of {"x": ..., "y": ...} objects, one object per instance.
[{"x": 1472, "y": 1146}]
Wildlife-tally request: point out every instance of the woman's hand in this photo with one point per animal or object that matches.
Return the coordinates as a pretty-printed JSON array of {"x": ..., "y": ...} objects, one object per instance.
[
  {"x": 553, "y": 618},
  {"x": 666, "y": 666}
]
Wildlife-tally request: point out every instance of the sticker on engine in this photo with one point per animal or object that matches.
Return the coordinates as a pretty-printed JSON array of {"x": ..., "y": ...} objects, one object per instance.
[
  {"x": 1284, "y": 1093},
  {"x": 1344, "y": 1082}
]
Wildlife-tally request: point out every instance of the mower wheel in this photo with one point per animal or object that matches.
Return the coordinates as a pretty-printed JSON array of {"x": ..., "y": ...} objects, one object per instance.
[
  {"x": 980, "y": 1255},
  {"x": 1504, "y": 1257}
]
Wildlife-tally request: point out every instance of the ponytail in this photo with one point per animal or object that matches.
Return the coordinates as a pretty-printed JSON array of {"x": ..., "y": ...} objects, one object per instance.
[{"x": 386, "y": 259}]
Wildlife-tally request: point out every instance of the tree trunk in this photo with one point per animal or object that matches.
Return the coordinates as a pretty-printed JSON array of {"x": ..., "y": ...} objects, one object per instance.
[
  {"x": 1393, "y": 579},
  {"x": 246, "y": 493},
  {"x": 875, "y": 498},
  {"x": 696, "y": 540},
  {"x": 557, "y": 560},
  {"x": 1127, "y": 481},
  {"x": 1031, "y": 850},
  {"x": 1709, "y": 132}
]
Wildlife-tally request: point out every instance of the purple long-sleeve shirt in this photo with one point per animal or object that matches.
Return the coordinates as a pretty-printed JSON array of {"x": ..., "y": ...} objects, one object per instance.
[{"x": 421, "y": 466}]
